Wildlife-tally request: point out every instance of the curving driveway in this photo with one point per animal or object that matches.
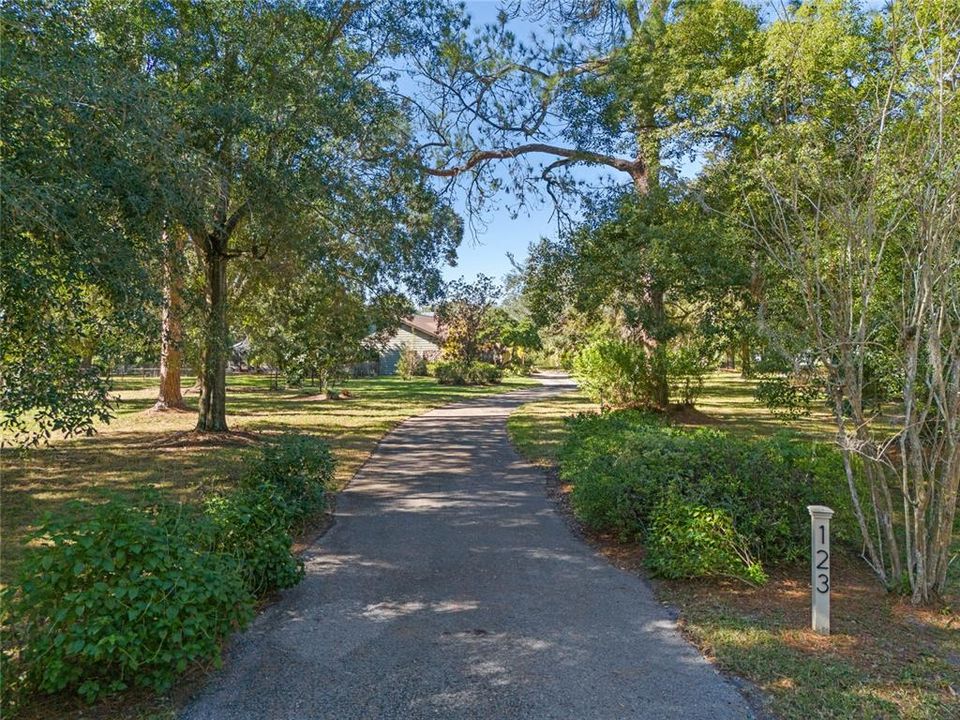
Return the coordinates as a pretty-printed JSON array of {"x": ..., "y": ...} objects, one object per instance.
[{"x": 449, "y": 587}]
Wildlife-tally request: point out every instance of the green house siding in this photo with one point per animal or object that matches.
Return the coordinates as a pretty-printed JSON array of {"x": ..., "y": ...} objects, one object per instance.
[{"x": 411, "y": 338}]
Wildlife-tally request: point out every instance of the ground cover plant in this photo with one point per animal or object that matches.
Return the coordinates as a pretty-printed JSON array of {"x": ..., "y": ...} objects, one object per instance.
[
  {"x": 885, "y": 657},
  {"x": 120, "y": 597}
]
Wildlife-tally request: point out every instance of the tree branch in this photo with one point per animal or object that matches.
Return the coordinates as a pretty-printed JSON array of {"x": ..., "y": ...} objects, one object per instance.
[{"x": 631, "y": 167}]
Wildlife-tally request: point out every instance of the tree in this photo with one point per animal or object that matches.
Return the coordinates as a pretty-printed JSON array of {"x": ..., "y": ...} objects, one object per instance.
[
  {"x": 509, "y": 338},
  {"x": 858, "y": 199},
  {"x": 628, "y": 250},
  {"x": 170, "y": 396},
  {"x": 288, "y": 140},
  {"x": 313, "y": 323},
  {"x": 630, "y": 86},
  {"x": 83, "y": 147},
  {"x": 461, "y": 317}
]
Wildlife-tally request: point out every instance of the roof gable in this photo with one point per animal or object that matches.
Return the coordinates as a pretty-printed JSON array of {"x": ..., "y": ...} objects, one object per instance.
[{"x": 426, "y": 324}]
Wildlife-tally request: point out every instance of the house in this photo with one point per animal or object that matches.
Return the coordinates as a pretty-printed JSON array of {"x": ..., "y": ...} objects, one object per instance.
[{"x": 419, "y": 332}]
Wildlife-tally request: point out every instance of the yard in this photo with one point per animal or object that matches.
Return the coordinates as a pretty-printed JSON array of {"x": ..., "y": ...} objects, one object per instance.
[
  {"x": 142, "y": 449},
  {"x": 885, "y": 658}
]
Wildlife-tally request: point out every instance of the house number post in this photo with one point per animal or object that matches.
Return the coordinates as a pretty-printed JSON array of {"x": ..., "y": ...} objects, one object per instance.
[{"x": 820, "y": 567}]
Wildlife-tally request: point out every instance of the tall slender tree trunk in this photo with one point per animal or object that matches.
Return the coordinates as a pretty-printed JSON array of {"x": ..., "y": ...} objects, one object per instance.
[
  {"x": 213, "y": 394},
  {"x": 659, "y": 362},
  {"x": 171, "y": 334},
  {"x": 646, "y": 180},
  {"x": 746, "y": 358}
]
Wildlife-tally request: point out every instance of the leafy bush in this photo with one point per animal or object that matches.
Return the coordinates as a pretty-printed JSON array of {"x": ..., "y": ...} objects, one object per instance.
[
  {"x": 614, "y": 372},
  {"x": 132, "y": 595},
  {"x": 789, "y": 396},
  {"x": 458, "y": 372},
  {"x": 623, "y": 465},
  {"x": 411, "y": 363},
  {"x": 251, "y": 526},
  {"x": 688, "y": 541},
  {"x": 299, "y": 468},
  {"x": 120, "y": 597},
  {"x": 283, "y": 488},
  {"x": 687, "y": 366}
]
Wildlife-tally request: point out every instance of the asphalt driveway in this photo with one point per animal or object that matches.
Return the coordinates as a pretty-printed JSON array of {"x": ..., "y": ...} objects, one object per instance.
[{"x": 450, "y": 587}]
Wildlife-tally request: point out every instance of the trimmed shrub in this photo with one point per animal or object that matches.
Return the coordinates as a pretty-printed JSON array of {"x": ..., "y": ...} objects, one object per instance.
[
  {"x": 129, "y": 595},
  {"x": 284, "y": 487},
  {"x": 623, "y": 466},
  {"x": 614, "y": 372},
  {"x": 458, "y": 372},
  {"x": 298, "y": 467},
  {"x": 689, "y": 541},
  {"x": 120, "y": 598}
]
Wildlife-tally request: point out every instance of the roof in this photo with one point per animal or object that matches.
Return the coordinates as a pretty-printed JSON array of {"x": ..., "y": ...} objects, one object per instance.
[{"x": 426, "y": 324}]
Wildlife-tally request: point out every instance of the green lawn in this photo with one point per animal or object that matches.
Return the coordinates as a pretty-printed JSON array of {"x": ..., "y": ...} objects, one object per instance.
[
  {"x": 537, "y": 429},
  {"x": 885, "y": 658},
  {"x": 142, "y": 449}
]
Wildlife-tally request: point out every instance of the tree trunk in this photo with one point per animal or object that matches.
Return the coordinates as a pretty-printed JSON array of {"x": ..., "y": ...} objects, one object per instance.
[
  {"x": 213, "y": 394},
  {"x": 171, "y": 334},
  {"x": 746, "y": 361},
  {"x": 659, "y": 363}
]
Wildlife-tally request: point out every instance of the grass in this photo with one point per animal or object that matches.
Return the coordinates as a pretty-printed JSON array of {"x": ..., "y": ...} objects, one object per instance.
[
  {"x": 142, "y": 449},
  {"x": 728, "y": 401},
  {"x": 537, "y": 429},
  {"x": 885, "y": 658}
]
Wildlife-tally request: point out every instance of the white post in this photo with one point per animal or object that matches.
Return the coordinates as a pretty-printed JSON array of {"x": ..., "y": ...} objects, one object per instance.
[{"x": 820, "y": 567}]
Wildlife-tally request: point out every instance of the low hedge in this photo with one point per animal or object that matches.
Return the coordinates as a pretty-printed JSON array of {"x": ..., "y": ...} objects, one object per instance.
[
  {"x": 252, "y": 525},
  {"x": 457, "y": 372},
  {"x": 121, "y": 595},
  {"x": 628, "y": 468},
  {"x": 299, "y": 468}
]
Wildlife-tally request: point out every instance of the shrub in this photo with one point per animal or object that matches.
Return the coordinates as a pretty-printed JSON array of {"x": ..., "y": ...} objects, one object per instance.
[
  {"x": 251, "y": 526},
  {"x": 411, "y": 363},
  {"x": 790, "y": 396},
  {"x": 614, "y": 372},
  {"x": 623, "y": 464},
  {"x": 687, "y": 366},
  {"x": 120, "y": 597},
  {"x": 689, "y": 541},
  {"x": 298, "y": 467},
  {"x": 458, "y": 372}
]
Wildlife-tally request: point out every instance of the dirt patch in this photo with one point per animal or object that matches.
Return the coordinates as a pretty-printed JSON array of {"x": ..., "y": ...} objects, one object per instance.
[
  {"x": 169, "y": 411},
  {"x": 195, "y": 439},
  {"x": 687, "y": 415},
  {"x": 323, "y": 397},
  {"x": 315, "y": 530}
]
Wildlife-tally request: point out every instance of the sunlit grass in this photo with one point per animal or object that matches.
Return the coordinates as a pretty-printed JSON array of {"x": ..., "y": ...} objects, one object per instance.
[
  {"x": 141, "y": 449},
  {"x": 728, "y": 399},
  {"x": 537, "y": 429}
]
